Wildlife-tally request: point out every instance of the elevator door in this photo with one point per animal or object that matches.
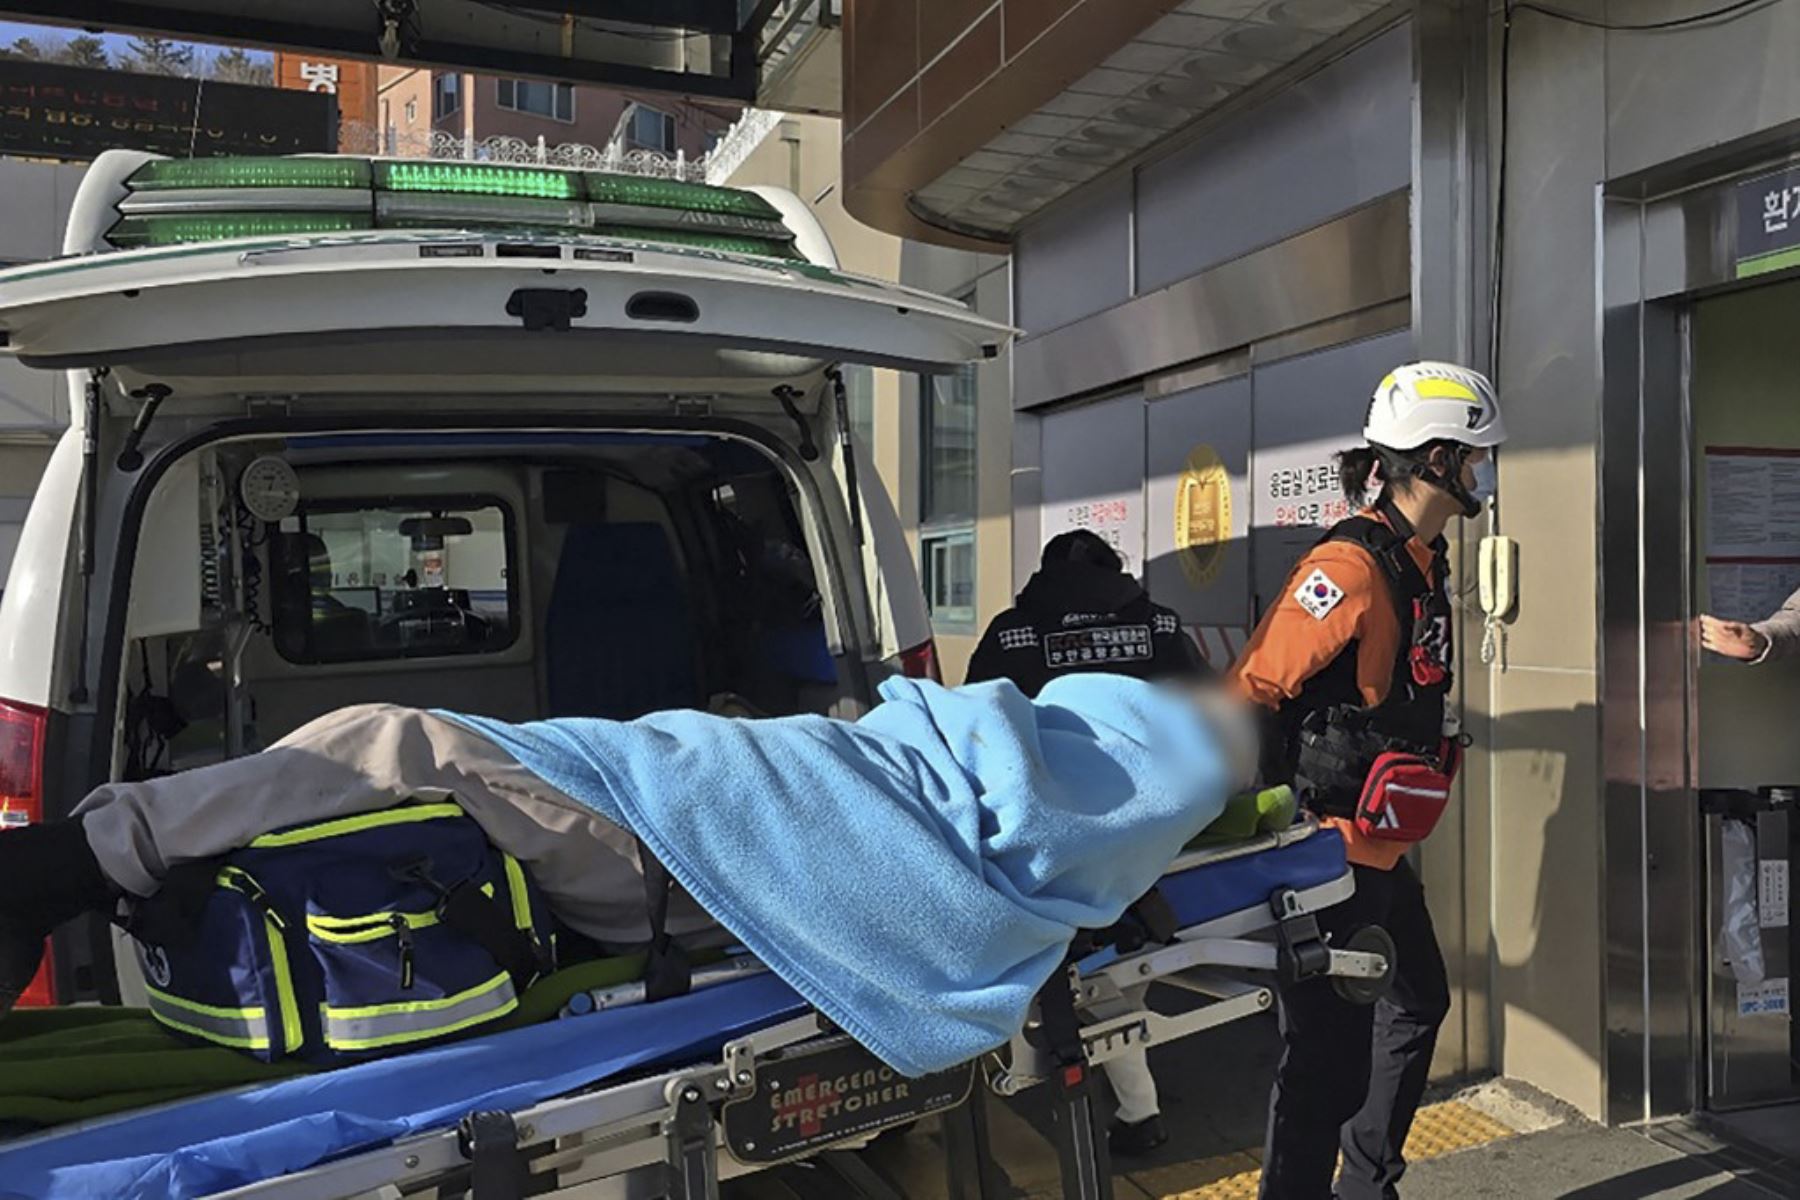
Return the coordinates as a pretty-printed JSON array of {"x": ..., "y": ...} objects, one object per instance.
[{"x": 1746, "y": 538}]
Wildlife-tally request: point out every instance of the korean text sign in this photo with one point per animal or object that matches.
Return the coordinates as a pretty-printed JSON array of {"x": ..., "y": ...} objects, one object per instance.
[{"x": 54, "y": 111}]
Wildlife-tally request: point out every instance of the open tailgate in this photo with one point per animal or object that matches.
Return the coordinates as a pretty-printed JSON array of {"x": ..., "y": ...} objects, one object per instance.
[{"x": 399, "y": 311}]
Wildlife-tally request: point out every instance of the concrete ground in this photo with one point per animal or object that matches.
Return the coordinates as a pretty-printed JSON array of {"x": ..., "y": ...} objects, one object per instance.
[
  {"x": 1577, "y": 1161},
  {"x": 1496, "y": 1140}
]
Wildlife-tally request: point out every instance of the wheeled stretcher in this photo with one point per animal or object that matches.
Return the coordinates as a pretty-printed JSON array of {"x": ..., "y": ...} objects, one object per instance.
[{"x": 669, "y": 1099}]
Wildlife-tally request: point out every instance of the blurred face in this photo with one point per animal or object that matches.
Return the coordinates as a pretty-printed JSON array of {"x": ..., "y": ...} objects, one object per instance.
[{"x": 1234, "y": 724}]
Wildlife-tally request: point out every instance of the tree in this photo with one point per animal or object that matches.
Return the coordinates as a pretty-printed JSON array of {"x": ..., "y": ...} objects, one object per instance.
[
  {"x": 233, "y": 65},
  {"x": 159, "y": 56},
  {"x": 85, "y": 51},
  {"x": 24, "y": 48}
]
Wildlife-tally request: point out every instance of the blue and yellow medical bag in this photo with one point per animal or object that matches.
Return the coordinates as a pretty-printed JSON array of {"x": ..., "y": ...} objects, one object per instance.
[{"x": 346, "y": 939}]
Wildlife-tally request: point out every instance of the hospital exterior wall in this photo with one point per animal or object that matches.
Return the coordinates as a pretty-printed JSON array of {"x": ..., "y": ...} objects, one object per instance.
[
  {"x": 1588, "y": 110},
  {"x": 1541, "y": 727}
]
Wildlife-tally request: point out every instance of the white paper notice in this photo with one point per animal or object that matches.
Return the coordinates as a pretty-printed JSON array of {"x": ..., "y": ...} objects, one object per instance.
[
  {"x": 1772, "y": 893},
  {"x": 1752, "y": 504},
  {"x": 1749, "y": 591},
  {"x": 1767, "y": 999},
  {"x": 1118, "y": 519}
]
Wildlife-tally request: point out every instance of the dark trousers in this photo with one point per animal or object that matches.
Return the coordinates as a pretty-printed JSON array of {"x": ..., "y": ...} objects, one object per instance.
[{"x": 1351, "y": 1075}]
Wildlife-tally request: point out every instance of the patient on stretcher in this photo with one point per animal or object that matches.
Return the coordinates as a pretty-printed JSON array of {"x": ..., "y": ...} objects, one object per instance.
[{"x": 917, "y": 875}]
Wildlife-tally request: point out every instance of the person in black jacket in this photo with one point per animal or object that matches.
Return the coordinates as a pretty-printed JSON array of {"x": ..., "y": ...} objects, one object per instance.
[{"x": 1081, "y": 612}]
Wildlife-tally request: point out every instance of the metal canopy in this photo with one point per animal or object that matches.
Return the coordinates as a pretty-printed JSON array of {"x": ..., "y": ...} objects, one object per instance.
[{"x": 702, "y": 48}]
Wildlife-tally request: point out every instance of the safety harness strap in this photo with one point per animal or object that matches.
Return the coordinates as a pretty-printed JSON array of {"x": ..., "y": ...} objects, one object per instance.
[
  {"x": 490, "y": 1141},
  {"x": 667, "y": 971},
  {"x": 490, "y": 925},
  {"x": 1386, "y": 543}
]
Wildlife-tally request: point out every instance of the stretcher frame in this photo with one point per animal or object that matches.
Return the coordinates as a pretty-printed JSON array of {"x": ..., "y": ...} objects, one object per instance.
[{"x": 661, "y": 1136}]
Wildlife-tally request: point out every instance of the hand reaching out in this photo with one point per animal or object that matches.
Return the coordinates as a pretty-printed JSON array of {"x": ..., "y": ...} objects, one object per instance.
[{"x": 1732, "y": 639}]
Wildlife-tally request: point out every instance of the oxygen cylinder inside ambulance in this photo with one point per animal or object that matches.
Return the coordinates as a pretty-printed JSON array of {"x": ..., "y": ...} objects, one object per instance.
[{"x": 1745, "y": 439}]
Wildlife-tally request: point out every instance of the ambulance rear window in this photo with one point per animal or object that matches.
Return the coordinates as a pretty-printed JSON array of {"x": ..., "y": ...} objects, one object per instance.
[{"x": 382, "y": 580}]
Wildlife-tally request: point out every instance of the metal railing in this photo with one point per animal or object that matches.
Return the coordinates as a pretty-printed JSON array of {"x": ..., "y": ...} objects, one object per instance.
[
  {"x": 744, "y": 136},
  {"x": 358, "y": 137}
]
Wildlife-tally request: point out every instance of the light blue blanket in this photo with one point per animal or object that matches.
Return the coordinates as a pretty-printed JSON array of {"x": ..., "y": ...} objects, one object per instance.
[{"x": 918, "y": 874}]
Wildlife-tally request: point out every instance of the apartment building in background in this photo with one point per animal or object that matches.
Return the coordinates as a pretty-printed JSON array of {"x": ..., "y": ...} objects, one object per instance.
[{"x": 413, "y": 103}]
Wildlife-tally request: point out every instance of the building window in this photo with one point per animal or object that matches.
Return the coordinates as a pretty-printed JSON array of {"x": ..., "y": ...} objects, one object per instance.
[
  {"x": 446, "y": 96},
  {"x": 947, "y": 441},
  {"x": 947, "y": 423},
  {"x": 553, "y": 100},
  {"x": 412, "y": 111},
  {"x": 948, "y": 559},
  {"x": 650, "y": 129}
]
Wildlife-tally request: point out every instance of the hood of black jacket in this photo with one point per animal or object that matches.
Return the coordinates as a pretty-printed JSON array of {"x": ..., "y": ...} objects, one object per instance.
[{"x": 1058, "y": 589}]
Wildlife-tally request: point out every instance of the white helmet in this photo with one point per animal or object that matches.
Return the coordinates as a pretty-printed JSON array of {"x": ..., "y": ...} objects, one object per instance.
[{"x": 1427, "y": 402}]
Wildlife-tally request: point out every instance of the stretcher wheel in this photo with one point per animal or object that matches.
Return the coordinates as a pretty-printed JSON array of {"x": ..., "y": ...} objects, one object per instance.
[{"x": 1370, "y": 939}]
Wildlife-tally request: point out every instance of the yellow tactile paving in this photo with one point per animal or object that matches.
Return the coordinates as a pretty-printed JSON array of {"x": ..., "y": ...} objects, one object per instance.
[{"x": 1437, "y": 1130}]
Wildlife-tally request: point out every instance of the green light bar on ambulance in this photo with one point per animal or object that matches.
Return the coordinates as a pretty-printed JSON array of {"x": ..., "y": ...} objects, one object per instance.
[
  {"x": 453, "y": 210},
  {"x": 132, "y": 232},
  {"x": 477, "y": 179},
  {"x": 165, "y": 174},
  {"x": 172, "y": 201},
  {"x": 670, "y": 193}
]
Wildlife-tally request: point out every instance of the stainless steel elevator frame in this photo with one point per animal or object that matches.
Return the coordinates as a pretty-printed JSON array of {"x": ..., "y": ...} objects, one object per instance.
[{"x": 1667, "y": 239}]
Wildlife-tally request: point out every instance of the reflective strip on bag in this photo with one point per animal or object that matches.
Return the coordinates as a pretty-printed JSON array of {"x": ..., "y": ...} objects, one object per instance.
[
  {"x": 372, "y": 927},
  {"x": 521, "y": 899},
  {"x": 379, "y": 1025},
  {"x": 240, "y": 1028},
  {"x": 292, "y": 1033},
  {"x": 404, "y": 815}
]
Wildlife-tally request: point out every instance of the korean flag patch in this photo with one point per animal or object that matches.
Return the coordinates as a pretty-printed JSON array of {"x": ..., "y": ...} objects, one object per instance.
[{"x": 1318, "y": 595}]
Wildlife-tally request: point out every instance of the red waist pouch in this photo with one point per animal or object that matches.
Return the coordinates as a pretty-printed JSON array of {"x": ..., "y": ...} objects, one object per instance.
[{"x": 1406, "y": 794}]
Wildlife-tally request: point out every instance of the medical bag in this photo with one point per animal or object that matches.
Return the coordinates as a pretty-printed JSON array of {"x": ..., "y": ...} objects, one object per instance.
[
  {"x": 1406, "y": 793},
  {"x": 1390, "y": 788},
  {"x": 345, "y": 939}
]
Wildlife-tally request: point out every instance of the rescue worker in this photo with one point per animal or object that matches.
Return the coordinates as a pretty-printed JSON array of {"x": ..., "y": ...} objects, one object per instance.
[
  {"x": 1355, "y": 661},
  {"x": 1078, "y": 612}
]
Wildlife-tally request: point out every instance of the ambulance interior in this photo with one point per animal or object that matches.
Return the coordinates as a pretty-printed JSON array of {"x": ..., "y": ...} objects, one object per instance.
[{"x": 594, "y": 575}]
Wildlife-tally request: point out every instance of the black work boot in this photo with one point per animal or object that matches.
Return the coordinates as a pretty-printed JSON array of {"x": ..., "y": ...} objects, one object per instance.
[
  {"x": 48, "y": 875},
  {"x": 1137, "y": 1138}
]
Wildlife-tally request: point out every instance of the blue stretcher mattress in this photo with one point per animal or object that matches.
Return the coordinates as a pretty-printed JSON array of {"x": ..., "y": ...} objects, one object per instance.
[
  {"x": 1210, "y": 892},
  {"x": 268, "y": 1131},
  {"x": 261, "y": 1133}
]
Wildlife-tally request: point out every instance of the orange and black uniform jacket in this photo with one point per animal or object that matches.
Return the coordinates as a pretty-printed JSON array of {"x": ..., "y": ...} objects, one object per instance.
[{"x": 1292, "y": 645}]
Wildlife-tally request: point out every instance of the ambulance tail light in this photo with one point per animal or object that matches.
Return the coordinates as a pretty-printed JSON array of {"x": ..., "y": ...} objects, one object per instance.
[
  {"x": 921, "y": 662},
  {"x": 22, "y": 802}
]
